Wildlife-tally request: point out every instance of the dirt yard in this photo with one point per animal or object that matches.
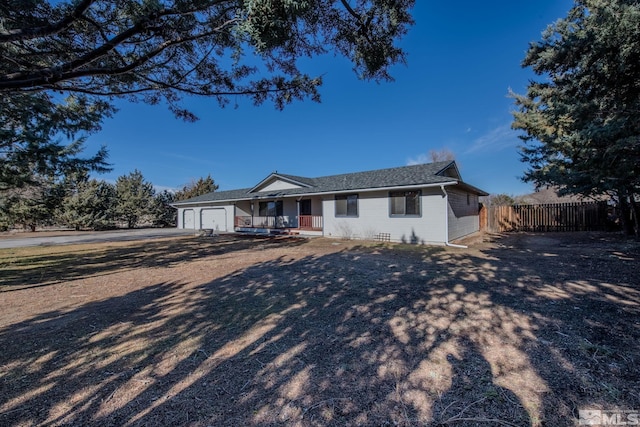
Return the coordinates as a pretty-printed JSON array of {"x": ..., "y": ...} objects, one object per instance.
[{"x": 518, "y": 330}]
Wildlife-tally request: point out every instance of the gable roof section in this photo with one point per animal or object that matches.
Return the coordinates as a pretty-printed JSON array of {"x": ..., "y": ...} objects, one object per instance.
[
  {"x": 405, "y": 176},
  {"x": 301, "y": 180},
  {"x": 297, "y": 181}
]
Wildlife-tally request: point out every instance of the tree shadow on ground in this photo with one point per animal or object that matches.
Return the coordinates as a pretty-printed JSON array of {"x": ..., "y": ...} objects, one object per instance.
[
  {"x": 362, "y": 336},
  {"x": 44, "y": 268},
  {"x": 473, "y": 395}
]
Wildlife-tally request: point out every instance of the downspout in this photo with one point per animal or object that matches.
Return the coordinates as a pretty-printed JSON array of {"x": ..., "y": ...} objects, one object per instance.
[{"x": 446, "y": 220}]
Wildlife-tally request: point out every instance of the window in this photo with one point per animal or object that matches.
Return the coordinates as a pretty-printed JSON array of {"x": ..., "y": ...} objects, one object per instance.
[
  {"x": 404, "y": 203},
  {"x": 347, "y": 205},
  {"x": 468, "y": 199},
  {"x": 305, "y": 207},
  {"x": 270, "y": 208}
]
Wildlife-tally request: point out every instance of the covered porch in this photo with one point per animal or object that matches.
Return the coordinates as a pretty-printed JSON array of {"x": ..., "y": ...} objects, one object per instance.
[{"x": 303, "y": 214}]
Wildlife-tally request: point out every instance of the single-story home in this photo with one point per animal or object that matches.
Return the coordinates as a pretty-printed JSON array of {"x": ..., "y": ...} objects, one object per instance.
[{"x": 426, "y": 203}]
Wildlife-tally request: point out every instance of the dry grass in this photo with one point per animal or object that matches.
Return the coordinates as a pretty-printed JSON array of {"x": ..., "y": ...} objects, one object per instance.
[{"x": 522, "y": 330}]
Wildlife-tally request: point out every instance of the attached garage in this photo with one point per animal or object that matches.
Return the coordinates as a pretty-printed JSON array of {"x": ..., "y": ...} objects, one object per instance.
[
  {"x": 213, "y": 218},
  {"x": 189, "y": 219}
]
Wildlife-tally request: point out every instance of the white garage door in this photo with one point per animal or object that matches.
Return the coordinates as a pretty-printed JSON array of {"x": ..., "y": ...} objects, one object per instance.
[
  {"x": 188, "y": 218},
  {"x": 215, "y": 219}
]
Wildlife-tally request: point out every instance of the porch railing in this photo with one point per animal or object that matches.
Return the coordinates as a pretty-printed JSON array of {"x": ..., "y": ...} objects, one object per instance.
[
  {"x": 259, "y": 222},
  {"x": 307, "y": 222},
  {"x": 310, "y": 222}
]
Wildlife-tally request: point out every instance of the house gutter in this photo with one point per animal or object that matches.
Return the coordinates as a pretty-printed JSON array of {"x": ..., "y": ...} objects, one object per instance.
[{"x": 446, "y": 220}]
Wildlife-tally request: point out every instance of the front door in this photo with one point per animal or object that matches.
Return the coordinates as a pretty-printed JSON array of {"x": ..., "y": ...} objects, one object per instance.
[{"x": 305, "y": 207}]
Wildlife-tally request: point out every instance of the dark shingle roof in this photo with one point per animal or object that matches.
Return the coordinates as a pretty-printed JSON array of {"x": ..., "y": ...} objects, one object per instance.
[
  {"x": 394, "y": 177},
  {"x": 431, "y": 173}
]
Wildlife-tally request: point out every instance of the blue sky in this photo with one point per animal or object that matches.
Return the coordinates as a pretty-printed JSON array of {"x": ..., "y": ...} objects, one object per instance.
[{"x": 462, "y": 59}]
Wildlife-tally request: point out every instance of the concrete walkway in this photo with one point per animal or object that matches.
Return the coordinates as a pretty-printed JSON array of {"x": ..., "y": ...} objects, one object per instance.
[{"x": 92, "y": 237}]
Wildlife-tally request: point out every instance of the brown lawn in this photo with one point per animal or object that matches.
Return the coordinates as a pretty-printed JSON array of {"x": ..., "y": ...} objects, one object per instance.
[{"x": 519, "y": 330}]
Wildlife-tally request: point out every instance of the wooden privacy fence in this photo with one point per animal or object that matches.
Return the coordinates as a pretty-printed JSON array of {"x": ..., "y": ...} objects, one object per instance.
[{"x": 587, "y": 216}]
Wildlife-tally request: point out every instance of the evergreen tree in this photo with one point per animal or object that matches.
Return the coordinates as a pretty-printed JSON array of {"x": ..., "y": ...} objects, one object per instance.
[
  {"x": 165, "y": 215},
  {"x": 33, "y": 127},
  {"x": 31, "y": 205},
  {"x": 162, "y": 49},
  {"x": 134, "y": 198},
  {"x": 582, "y": 122},
  {"x": 65, "y": 61},
  {"x": 89, "y": 205},
  {"x": 32, "y": 154},
  {"x": 197, "y": 188}
]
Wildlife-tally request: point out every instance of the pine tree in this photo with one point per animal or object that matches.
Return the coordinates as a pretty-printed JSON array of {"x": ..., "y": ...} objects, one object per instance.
[
  {"x": 134, "y": 198},
  {"x": 89, "y": 205},
  {"x": 64, "y": 62},
  {"x": 33, "y": 131},
  {"x": 163, "y": 49},
  {"x": 164, "y": 214},
  {"x": 197, "y": 188},
  {"x": 31, "y": 206},
  {"x": 581, "y": 123}
]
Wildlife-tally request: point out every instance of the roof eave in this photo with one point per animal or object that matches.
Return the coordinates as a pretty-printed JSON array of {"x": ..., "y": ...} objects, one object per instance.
[
  {"x": 319, "y": 193},
  {"x": 476, "y": 190}
]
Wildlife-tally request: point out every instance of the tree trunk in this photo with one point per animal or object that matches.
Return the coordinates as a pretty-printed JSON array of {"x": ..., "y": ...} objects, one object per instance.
[
  {"x": 634, "y": 210},
  {"x": 625, "y": 214}
]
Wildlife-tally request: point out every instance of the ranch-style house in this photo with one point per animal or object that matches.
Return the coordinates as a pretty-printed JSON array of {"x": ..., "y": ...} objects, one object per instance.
[{"x": 426, "y": 203}]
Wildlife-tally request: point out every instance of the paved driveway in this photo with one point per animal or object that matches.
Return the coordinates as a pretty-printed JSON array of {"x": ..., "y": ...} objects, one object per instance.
[{"x": 83, "y": 237}]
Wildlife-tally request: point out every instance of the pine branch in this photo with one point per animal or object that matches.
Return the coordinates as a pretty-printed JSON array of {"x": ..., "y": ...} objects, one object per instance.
[{"x": 22, "y": 34}]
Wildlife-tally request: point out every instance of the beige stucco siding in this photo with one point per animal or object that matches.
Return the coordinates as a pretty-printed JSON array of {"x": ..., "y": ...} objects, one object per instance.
[
  {"x": 243, "y": 208},
  {"x": 316, "y": 206}
]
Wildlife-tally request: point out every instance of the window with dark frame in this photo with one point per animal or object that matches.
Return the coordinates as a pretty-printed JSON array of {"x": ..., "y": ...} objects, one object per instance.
[
  {"x": 347, "y": 205},
  {"x": 270, "y": 208},
  {"x": 404, "y": 203},
  {"x": 305, "y": 207}
]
